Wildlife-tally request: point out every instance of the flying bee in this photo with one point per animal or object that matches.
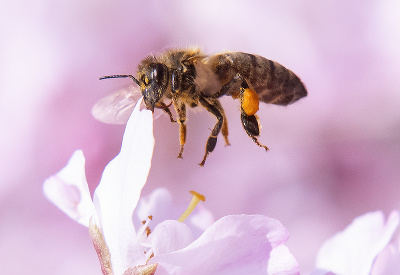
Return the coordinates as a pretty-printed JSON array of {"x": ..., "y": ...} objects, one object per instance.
[{"x": 187, "y": 77}]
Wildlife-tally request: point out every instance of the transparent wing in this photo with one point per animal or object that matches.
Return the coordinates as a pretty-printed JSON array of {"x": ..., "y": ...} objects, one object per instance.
[{"x": 117, "y": 107}]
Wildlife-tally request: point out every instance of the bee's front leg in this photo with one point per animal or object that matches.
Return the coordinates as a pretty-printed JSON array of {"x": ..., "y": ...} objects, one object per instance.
[
  {"x": 181, "y": 111},
  {"x": 165, "y": 108}
]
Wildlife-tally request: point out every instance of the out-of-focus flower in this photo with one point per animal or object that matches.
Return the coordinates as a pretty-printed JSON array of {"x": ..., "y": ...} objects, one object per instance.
[
  {"x": 232, "y": 245},
  {"x": 388, "y": 261},
  {"x": 354, "y": 250}
]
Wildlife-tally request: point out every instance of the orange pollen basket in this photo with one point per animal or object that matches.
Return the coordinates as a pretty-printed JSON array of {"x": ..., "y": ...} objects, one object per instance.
[{"x": 250, "y": 102}]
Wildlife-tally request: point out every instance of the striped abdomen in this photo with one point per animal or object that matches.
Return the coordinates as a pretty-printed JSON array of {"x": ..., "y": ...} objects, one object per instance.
[{"x": 272, "y": 82}]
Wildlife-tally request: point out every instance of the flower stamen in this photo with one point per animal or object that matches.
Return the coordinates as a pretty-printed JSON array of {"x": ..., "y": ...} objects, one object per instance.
[
  {"x": 144, "y": 228},
  {"x": 195, "y": 200}
]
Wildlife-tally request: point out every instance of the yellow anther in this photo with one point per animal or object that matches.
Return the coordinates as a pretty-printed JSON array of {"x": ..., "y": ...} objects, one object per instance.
[{"x": 195, "y": 200}]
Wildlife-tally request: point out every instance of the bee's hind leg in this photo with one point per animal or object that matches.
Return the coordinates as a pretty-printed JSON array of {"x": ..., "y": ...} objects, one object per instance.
[
  {"x": 214, "y": 107},
  {"x": 252, "y": 128},
  {"x": 249, "y": 102}
]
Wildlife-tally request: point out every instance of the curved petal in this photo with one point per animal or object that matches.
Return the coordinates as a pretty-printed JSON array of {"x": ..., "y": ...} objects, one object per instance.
[
  {"x": 281, "y": 260},
  {"x": 69, "y": 191},
  {"x": 170, "y": 236},
  {"x": 354, "y": 250},
  {"x": 200, "y": 220},
  {"x": 158, "y": 204},
  {"x": 118, "y": 192},
  {"x": 232, "y": 245}
]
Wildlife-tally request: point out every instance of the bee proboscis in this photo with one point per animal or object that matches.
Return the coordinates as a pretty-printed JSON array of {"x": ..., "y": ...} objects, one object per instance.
[{"x": 187, "y": 77}]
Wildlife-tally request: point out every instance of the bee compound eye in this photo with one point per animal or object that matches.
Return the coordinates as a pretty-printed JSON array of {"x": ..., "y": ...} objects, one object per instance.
[
  {"x": 158, "y": 72},
  {"x": 144, "y": 79}
]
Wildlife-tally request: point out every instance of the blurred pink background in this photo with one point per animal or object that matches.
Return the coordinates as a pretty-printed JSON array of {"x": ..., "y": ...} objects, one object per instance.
[{"x": 333, "y": 155}]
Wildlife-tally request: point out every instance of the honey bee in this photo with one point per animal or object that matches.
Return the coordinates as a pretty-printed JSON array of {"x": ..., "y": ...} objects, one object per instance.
[{"x": 187, "y": 77}]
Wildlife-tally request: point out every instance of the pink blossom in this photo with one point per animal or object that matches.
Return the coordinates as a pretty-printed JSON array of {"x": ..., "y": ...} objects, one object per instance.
[{"x": 232, "y": 245}]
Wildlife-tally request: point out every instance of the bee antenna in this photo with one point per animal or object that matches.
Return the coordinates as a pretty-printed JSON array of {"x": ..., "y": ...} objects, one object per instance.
[{"x": 121, "y": 76}]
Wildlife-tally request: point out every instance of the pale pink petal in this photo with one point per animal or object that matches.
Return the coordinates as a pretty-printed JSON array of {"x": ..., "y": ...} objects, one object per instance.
[
  {"x": 279, "y": 261},
  {"x": 119, "y": 190},
  {"x": 201, "y": 218},
  {"x": 170, "y": 236},
  {"x": 232, "y": 245},
  {"x": 158, "y": 205},
  {"x": 69, "y": 191},
  {"x": 353, "y": 250}
]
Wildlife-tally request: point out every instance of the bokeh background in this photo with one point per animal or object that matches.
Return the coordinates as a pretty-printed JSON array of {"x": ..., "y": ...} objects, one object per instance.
[{"x": 333, "y": 155}]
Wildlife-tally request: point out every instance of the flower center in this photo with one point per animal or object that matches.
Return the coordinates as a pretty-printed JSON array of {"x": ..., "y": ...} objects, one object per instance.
[{"x": 145, "y": 230}]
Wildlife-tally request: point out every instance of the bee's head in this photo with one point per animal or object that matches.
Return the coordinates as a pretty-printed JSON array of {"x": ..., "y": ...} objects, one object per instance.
[{"x": 153, "y": 81}]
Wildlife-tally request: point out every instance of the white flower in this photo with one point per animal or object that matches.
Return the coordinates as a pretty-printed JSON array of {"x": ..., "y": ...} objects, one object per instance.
[{"x": 239, "y": 244}]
